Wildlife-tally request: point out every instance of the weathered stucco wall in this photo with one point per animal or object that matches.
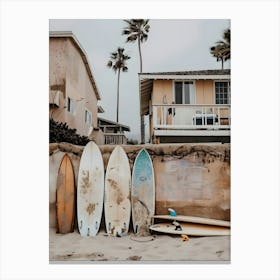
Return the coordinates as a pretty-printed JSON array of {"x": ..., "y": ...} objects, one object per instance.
[
  {"x": 67, "y": 67},
  {"x": 192, "y": 179}
]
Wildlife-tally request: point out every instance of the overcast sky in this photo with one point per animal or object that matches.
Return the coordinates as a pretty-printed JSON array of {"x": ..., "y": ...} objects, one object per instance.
[{"x": 172, "y": 45}]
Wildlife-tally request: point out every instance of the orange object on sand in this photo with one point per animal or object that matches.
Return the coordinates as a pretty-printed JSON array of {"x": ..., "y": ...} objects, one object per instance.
[
  {"x": 65, "y": 196},
  {"x": 185, "y": 237}
]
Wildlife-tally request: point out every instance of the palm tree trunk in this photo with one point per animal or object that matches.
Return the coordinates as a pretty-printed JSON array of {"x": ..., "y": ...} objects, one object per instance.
[
  {"x": 222, "y": 63},
  {"x": 118, "y": 91},
  {"x": 140, "y": 54},
  {"x": 142, "y": 122}
]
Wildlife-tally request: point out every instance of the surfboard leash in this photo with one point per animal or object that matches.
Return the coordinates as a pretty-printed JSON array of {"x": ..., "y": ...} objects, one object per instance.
[{"x": 153, "y": 238}]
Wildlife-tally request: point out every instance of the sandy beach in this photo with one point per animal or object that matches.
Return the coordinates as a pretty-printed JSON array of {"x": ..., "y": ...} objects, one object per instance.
[{"x": 155, "y": 248}]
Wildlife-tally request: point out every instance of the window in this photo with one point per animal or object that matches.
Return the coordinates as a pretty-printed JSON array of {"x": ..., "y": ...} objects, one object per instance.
[
  {"x": 70, "y": 105},
  {"x": 184, "y": 93},
  {"x": 87, "y": 117},
  {"x": 222, "y": 92},
  {"x": 54, "y": 98}
]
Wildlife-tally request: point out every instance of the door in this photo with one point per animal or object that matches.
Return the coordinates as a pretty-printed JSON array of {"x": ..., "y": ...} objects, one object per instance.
[{"x": 184, "y": 94}]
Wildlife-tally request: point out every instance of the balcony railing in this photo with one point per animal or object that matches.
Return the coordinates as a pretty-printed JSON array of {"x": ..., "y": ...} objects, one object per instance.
[
  {"x": 115, "y": 138},
  {"x": 185, "y": 116}
]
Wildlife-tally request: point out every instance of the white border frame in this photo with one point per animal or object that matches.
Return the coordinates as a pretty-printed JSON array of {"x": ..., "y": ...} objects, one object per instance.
[{"x": 255, "y": 180}]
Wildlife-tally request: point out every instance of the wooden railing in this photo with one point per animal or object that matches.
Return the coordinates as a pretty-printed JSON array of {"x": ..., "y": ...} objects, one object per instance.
[
  {"x": 115, "y": 138},
  {"x": 185, "y": 116}
]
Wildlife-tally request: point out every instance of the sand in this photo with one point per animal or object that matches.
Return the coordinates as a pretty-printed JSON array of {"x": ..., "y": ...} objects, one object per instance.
[{"x": 155, "y": 248}]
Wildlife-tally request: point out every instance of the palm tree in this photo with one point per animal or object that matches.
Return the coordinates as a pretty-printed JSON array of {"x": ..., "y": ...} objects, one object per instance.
[
  {"x": 118, "y": 63},
  {"x": 137, "y": 30},
  {"x": 222, "y": 50}
]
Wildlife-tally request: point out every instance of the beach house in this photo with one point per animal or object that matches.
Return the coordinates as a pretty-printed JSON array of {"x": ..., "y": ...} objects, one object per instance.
[
  {"x": 73, "y": 93},
  {"x": 113, "y": 131},
  {"x": 187, "y": 106}
]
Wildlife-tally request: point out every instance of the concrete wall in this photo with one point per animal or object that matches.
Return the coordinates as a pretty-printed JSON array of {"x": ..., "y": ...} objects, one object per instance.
[
  {"x": 192, "y": 179},
  {"x": 67, "y": 67}
]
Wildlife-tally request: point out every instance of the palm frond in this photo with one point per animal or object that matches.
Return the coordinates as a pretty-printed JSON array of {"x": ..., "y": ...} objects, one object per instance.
[
  {"x": 136, "y": 28},
  {"x": 143, "y": 37},
  {"x": 125, "y": 32},
  {"x": 222, "y": 48},
  {"x": 128, "y": 21},
  {"x": 131, "y": 38},
  {"x": 118, "y": 60},
  {"x": 110, "y": 63}
]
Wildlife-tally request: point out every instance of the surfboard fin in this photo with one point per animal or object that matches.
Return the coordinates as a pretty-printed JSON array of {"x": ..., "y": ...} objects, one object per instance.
[
  {"x": 172, "y": 212},
  {"x": 177, "y": 225},
  {"x": 117, "y": 232}
]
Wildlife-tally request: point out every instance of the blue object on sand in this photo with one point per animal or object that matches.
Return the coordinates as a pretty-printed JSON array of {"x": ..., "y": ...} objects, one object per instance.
[{"x": 172, "y": 212}]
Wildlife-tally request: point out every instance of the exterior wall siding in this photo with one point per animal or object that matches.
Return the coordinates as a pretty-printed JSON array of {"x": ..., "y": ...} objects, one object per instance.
[
  {"x": 163, "y": 89},
  {"x": 204, "y": 92}
]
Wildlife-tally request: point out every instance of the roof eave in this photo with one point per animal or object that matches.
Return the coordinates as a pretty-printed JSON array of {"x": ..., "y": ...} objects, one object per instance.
[
  {"x": 183, "y": 77},
  {"x": 126, "y": 127}
]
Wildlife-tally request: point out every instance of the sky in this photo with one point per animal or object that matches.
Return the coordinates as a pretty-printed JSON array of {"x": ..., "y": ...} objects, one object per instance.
[{"x": 172, "y": 45}]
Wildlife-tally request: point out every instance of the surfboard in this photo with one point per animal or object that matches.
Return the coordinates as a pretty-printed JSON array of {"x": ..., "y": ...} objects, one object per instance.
[
  {"x": 191, "y": 229},
  {"x": 65, "y": 196},
  {"x": 192, "y": 219},
  {"x": 142, "y": 193},
  {"x": 117, "y": 204},
  {"x": 90, "y": 191}
]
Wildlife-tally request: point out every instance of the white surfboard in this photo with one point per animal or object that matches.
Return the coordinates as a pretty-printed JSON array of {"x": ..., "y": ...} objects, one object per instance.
[
  {"x": 90, "y": 191},
  {"x": 191, "y": 229},
  {"x": 142, "y": 193},
  {"x": 117, "y": 204},
  {"x": 196, "y": 220}
]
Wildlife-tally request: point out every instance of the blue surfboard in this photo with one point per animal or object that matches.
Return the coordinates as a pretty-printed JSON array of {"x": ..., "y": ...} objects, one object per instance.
[{"x": 142, "y": 193}]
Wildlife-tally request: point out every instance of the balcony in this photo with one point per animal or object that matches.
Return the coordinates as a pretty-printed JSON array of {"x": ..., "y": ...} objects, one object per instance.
[
  {"x": 115, "y": 139},
  {"x": 113, "y": 132},
  {"x": 185, "y": 119}
]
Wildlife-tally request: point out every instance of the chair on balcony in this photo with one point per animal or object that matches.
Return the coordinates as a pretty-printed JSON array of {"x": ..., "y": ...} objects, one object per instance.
[{"x": 205, "y": 117}]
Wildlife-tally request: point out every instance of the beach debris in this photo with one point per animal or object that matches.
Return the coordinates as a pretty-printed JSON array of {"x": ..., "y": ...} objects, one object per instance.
[
  {"x": 172, "y": 212},
  {"x": 134, "y": 258},
  {"x": 185, "y": 237},
  {"x": 219, "y": 253}
]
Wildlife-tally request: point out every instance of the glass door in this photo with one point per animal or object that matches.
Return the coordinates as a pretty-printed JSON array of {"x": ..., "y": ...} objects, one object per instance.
[{"x": 189, "y": 95}]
